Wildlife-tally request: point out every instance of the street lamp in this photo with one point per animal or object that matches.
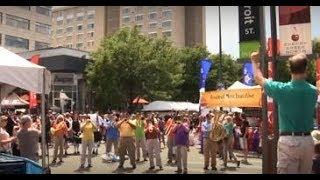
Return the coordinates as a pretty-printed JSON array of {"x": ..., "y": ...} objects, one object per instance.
[{"x": 220, "y": 84}]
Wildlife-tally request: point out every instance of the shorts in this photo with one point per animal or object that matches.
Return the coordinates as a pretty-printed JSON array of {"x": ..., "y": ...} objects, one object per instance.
[{"x": 243, "y": 143}]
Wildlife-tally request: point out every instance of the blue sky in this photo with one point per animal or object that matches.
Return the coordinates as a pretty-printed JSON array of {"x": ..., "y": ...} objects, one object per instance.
[{"x": 230, "y": 27}]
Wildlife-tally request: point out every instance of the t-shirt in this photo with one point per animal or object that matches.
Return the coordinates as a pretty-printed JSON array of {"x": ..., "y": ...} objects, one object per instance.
[
  {"x": 296, "y": 104},
  {"x": 139, "y": 131},
  {"x": 243, "y": 127},
  {"x": 4, "y": 135},
  {"x": 151, "y": 132},
  {"x": 229, "y": 128},
  {"x": 126, "y": 130},
  {"x": 181, "y": 134},
  {"x": 112, "y": 132},
  {"x": 88, "y": 130},
  {"x": 28, "y": 143}
]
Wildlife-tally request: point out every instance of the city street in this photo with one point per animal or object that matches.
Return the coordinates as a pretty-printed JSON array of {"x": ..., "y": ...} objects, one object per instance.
[{"x": 195, "y": 165}]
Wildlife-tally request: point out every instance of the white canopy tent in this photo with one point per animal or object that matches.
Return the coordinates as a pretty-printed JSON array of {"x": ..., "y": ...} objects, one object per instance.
[
  {"x": 239, "y": 85},
  {"x": 13, "y": 100},
  {"x": 19, "y": 72},
  {"x": 171, "y": 106}
]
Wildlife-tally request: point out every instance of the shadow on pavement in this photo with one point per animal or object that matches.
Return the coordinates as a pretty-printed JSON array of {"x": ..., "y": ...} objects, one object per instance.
[
  {"x": 123, "y": 170},
  {"x": 151, "y": 171},
  {"x": 82, "y": 170}
]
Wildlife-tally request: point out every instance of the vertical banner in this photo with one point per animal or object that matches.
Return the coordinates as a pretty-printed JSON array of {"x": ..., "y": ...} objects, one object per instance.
[
  {"x": 249, "y": 30},
  {"x": 295, "y": 30},
  {"x": 318, "y": 86},
  {"x": 205, "y": 65},
  {"x": 269, "y": 99},
  {"x": 247, "y": 73},
  {"x": 32, "y": 95}
]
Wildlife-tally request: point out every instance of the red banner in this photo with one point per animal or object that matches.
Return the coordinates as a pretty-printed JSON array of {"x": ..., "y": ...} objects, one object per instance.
[{"x": 33, "y": 96}]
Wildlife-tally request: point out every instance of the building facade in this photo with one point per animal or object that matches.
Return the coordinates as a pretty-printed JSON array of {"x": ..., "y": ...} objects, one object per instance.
[
  {"x": 24, "y": 28},
  {"x": 83, "y": 27},
  {"x": 183, "y": 25}
]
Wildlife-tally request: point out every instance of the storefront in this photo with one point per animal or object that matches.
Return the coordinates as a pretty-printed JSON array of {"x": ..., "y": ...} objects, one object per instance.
[{"x": 67, "y": 66}]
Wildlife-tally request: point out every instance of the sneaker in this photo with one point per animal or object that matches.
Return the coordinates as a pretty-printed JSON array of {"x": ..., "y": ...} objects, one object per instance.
[
  {"x": 89, "y": 166},
  {"x": 137, "y": 160},
  {"x": 145, "y": 159},
  {"x": 169, "y": 162},
  {"x": 61, "y": 161},
  {"x": 151, "y": 168},
  {"x": 214, "y": 169},
  {"x": 185, "y": 172},
  {"x": 160, "y": 167},
  {"x": 238, "y": 163},
  {"x": 134, "y": 166},
  {"x": 205, "y": 168},
  {"x": 54, "y": 161},
  {"x": 81, "y": 166},
  {"x": 178, "y": 171},
  {"x": 120, "y": 167}
]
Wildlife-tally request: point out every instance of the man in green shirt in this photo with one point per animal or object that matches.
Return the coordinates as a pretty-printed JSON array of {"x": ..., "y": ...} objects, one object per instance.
[
  {"x": 296, "y": 104},
  {"x": 140, "y": 137}
]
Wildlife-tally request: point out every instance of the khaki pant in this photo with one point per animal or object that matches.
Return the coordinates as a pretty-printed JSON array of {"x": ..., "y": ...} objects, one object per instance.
[
  {"x": 154, "y": 151},
  {"x": 170, "y": 144},
  {"x": 109, "y": 144},
  {"x": 58, "y": 144},
  {"x": 86, "y": 145},
  {"x": 141, "y": 144},
  {"x": 210, "y": 151},
  {"x": 295, "y": 154},
  {"x": 126, "y": 144},
  {"x": 182, "y": 155},
  {"x": 228, "y": 148}
]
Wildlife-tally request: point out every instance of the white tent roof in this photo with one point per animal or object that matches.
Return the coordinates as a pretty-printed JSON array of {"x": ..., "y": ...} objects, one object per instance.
[
  {"x": 171, "y": 106},
  {"x": 239, "y": 85},
  {"x": 19, "y": 72},
  {"x": 13, "y": 100}
]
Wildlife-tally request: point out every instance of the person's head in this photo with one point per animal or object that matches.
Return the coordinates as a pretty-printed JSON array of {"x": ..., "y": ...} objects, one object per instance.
[
  {"x": 67, "y": 115},
  {"x": 228, "y": 119},
  {"x": 3, "y": 121},
  {"x": 26, "y": 121},
  {"x": 317, "y": 148},
  {"x": 60, "y": 118},
  {"x": 298, "y": 65}
]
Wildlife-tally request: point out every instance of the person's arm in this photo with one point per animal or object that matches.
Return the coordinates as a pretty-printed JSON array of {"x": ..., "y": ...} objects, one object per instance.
[
  {"x": 9, "y": 140},
  {"x": 258, "y": 75},
  {"x": 132, "y": 124}
]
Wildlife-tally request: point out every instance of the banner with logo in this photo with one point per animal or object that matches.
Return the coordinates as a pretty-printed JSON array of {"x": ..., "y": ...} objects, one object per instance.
[
  {"x": 247, "y": 73},
  {"x": 205, "y": 65},
  {"x": 32, "y": 95},
  {"x": 232, "y": 98},
  {"x": 295, "y": 30},
  {"x": 249, "y": 30}
]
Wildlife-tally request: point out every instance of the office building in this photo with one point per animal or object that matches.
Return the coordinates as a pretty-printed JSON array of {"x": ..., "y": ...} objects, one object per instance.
[{"x": 24, "y": 28}]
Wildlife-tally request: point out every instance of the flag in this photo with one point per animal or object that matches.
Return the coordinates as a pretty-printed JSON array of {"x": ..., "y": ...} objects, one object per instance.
[
  {"x": 205, "y": 65},
  {"x": 248, "y": 74},
  {"x": 33, "y": 95}
]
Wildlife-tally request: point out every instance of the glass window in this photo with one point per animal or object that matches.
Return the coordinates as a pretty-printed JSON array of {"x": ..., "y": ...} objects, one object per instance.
[
  {"x": 69, "y": 20},
  {"x": 166, "y": 34},
  {"x": 79, "y": 27},
  {"x": 17, "y": 22},
  {"x": 139, "y": 17},
  {"x": 69, "y": 39},
  {"x": 153, "y": 25},
  {"x": 90, "y": 16},
  {"x": 80, "y": 16},
  {"x": 45, "y": 10},
  {"x": 90, "y": 26},
  {"x": 59, "y": 31},
  {"x": 152, "y": 8},
  {"x": 69, "y": 29},
  {"x": 43, "y": 28},
  {"x": 90, "y": 35},
  {"x": 139, "y": 9},
  {"x": 41, "y": 45},
  {"x": 139, "y": 27},
  {"x": 59, "y": 22},
  {"x": 25, "y": 7},
  {"x": 89, "y": 44},
  {"x": 79, "y": 45},
  {"x": 126, "y": 10},
  {"x": 167, "y": 14},
  {"x": 166, "y": 24},
  {"x": 69, "y": 46},
  {"x": 80, "y": 37},
  {"x": 17, "y": 42},
  {"x": 153, "y": 35},
  {"x": 126, "y": 19},
  {"x": 153, "y": 16}
]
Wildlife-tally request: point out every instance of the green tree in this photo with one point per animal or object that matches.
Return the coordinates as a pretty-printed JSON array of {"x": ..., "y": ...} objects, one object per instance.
[{"x": 128, "y": 65}]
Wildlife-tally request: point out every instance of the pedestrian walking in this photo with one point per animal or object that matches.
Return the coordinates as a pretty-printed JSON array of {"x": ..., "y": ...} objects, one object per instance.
[
  {"x": 170, "y": 139},
  {"x": 228, "y": 141},
  {"x": 59, "y": 130},
  {"x": 140, "y": 137},
  {"x": 296, "y": 104},
  {"x": 153, "y": 144}
]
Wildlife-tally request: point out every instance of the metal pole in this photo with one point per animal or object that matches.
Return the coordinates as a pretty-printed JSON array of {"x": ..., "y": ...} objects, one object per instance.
[
  {"x": 43, "y": 123},
  {"x": 264, "y": 67},
  {"x": 273, "y": 22},
  {"x": 220, "y": 50}
]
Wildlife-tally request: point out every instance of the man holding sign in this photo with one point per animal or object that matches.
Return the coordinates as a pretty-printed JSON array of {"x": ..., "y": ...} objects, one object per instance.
[{"x": 296, "y": 102}]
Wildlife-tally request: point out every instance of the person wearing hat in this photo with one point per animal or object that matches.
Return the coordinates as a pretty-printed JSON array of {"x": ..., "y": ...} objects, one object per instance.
[
  {"x": 28, "y": 139},
  {"x": 5, "y": 139}
]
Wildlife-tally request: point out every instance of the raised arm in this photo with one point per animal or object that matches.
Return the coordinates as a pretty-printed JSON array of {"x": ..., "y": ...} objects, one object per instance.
[{"x": 258, "y": 76}]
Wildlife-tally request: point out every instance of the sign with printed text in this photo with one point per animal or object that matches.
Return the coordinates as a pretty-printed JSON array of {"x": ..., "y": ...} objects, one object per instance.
[
  {"x": 295, "y": 30},
  {"x": 232, "y": 98},
  {"x": 249, "y": 23}
]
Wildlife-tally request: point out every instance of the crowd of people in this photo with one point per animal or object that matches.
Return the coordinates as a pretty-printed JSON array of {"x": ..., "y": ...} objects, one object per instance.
[{"x": 140, "y": 136}]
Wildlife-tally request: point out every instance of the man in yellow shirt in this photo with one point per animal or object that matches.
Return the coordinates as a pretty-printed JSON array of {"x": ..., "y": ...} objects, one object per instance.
[
  {"x": 127, "y": 134},
  {"x": 87, "y": 128}
]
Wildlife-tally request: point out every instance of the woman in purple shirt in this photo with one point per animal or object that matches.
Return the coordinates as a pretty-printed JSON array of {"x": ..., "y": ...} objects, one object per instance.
[{"x": 181, "y": 136}]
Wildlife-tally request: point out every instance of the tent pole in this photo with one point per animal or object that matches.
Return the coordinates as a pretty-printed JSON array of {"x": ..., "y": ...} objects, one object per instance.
[{"x": 43, "y": 123}]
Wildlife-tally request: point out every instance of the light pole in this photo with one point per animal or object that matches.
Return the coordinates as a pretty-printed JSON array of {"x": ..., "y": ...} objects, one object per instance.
[{"x": 220, "y": 84}]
